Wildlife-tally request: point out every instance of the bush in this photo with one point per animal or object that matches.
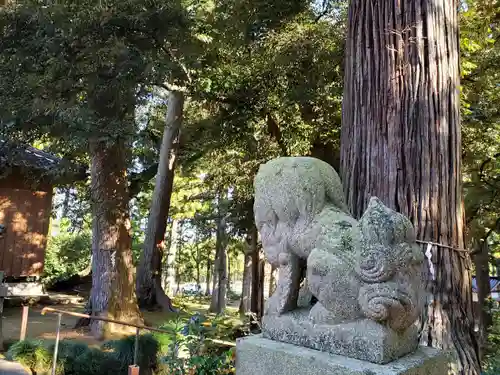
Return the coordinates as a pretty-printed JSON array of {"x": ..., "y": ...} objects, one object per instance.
[
  {"x": 67, "y": 254},
  {"x": 68, "y": 352},
  {"x": 95, "y": 361},
  {"x": 31, "y": 354},
  {"x": 491, "y": 363},
  {"x": 201, "y": 355},
  {"x": 123, "y": 351},
  {"x": 76, "y": 358},
  {"x": 166, "y": 341}
]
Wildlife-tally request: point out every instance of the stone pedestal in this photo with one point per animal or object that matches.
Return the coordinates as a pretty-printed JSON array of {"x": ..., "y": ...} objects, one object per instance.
[
  {"x": 363, "y": 339},
  {"x": 256, "y": 355}
]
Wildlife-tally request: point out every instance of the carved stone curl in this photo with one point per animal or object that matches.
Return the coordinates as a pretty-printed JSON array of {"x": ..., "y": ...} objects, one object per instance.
[{"x": 365, "y": 273}]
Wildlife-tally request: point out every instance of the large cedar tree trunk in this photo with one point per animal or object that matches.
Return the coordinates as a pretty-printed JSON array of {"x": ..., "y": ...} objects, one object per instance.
[
  {"x": 113, "y": 274},
  {"x": 149, "y": 289},
  {"x": 401, "y": 142}
]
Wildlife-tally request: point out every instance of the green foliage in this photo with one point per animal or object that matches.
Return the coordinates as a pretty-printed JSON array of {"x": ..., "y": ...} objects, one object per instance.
[
  {"x": 123, "y": 350},
  {"x": 31, "y": 354},
  {"x": 480, "y": 53},
  {"x": 95, "y": 361},
  {"x": 200, "y": 356},
  {"x": 67, "y": 253},
  {"x": 492, "y": 353},
  {"x": 75, "y": 358},
  {"x": 68, "y": 352}
]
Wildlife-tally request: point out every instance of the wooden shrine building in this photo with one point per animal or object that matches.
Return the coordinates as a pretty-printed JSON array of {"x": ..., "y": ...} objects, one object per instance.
[{"x": 27, "y": 179}]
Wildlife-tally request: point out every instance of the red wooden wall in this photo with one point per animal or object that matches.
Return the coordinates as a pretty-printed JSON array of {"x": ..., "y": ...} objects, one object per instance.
[{"x": 26, "y": 216}]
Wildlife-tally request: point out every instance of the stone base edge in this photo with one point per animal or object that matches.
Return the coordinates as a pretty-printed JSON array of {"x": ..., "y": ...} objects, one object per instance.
[{"x": 256, "y": 355}]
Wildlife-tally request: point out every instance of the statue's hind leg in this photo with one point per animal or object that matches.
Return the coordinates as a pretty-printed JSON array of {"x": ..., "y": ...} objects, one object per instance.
[{"x": 286, "y": 294}]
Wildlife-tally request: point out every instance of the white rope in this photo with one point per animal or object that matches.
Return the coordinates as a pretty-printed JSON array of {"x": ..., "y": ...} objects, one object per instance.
[{"x": 428, "y": 254}]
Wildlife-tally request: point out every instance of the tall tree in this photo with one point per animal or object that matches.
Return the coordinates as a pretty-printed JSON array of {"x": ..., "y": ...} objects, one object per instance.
[
  {"x": 86, "y": 66},
  {"x": 401, "y": 141},
  {"x": 149, "y": 289}
]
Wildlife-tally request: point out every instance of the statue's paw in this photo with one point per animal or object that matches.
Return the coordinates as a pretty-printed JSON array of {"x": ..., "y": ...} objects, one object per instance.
[
  {"x": 273, "y": 306},
  {"x": 320, "y": 315}
]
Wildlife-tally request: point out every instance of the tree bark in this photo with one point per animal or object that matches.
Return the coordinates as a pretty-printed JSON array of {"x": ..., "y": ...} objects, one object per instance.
[
  {"x": 207, "y": 278},
  {"x": 171, "y": 258},
  {"x": 262, "y": 276},
  {"x": 247, "y": 285},
  {"x": 481, "y": 261},
  {"x": 228, "y": 279},
  {"x": 256, "y": 285},
  {"x": 113, "y": 276},
  {"x": 401, "y": 142},
  {"x": 149, "y": 289},
  {"x": 218, "y": 302}
]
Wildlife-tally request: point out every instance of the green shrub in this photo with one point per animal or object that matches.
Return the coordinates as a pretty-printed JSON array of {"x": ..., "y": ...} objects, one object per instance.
[
  {"x": 123, "y": 351},
  {"x": 67, "y": 254},
  {"x": 31, "y": 354},
  {"x": 491, "y": 362},
  {"x": 202, "y": 357},
  {"x": 95, "y": 361},
  {"x": 67, "y": 354}
]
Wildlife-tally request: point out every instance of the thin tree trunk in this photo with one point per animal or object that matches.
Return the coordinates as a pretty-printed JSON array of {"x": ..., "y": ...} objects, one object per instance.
[
  {"x": 207, "y": 277},
  {"x": 176, "y": 268},
  {"x": 262, "y": 276},
  {"x": 228, "y": 281},
  {"x": 254, "y": 300},
  {"x": 198, "y": 267},
  {"x": 113, "y": 276},
  {"x": 218, "y": 303},
  {"x": 401, "y": 142},
  {"x": 246, "y": 285},
  {"x": 481, "y": 261},
  {"x": 171, "y": 258},
  {"x": 149, "y": 289}
]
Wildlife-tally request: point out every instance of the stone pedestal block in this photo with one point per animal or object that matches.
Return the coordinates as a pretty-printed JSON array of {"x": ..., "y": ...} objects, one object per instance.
[
  {"x": 256, "y": 355},
  {"x": 363, "y": 339}
]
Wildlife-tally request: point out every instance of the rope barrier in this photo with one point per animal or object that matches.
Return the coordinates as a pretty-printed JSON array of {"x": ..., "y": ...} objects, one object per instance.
[{"x": 428, "y": 253}]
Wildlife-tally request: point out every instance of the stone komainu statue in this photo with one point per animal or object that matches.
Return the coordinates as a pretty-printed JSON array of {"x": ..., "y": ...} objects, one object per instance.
[{"x": 366, "y": 275}]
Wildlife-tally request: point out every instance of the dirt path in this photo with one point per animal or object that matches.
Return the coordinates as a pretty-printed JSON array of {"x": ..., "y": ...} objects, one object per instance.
[{"x": 38, "y": 325}]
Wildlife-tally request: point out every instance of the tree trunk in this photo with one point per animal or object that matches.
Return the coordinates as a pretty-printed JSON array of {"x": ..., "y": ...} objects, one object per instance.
[
  {"x": 176, "y": 267},
  {"x": 247, "y": 285},
  {"x": 171, "y": 258},
  {"x": 262, "y": 276},
  {"x": 401, "y": 142},
  {"x": 149, "y": 289},
  {"x": 218, "y": 303},
  {"x": 207, "y": 276},
  {"x": 256, "y": 286},
  {"x": 228, "y": 280},
  {"x": 481, "y": 261},
  {"x": 198, "y": 267},
  {"x": 113, "y": 276}
]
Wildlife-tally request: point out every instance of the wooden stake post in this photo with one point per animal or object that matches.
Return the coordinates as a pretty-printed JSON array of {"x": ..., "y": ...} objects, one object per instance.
[{"x": 24, "y": 323}]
